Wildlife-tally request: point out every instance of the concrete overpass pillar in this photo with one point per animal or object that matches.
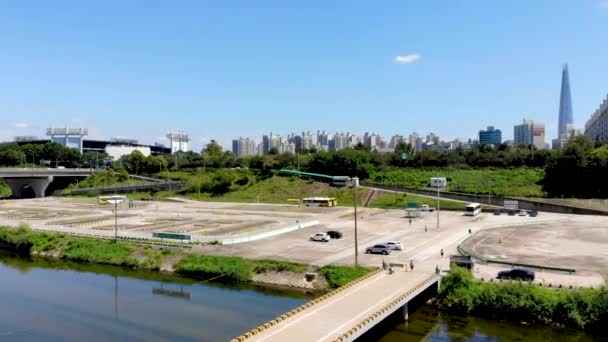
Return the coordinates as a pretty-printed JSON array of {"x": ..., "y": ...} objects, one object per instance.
[
  {"x": 406, "y": 312},
  {"x": 38, "y": 185}
]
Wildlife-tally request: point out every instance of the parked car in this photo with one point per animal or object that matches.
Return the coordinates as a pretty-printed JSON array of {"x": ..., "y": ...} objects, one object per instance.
[
  {"x": 394, "y": 245},
  {"x": 523, "y": 212},
  {"x": 378, "y": 249},
  {"x": 334, "y": 234},
  {"x": 497, "y": 212},
  {"x": 533, "y": 213},
  {"x": 511, "y": 212},
  {"x": 323, "y": 237},
  {"x": 426, "y": 207},
  {"x": 516, "y": 273}
]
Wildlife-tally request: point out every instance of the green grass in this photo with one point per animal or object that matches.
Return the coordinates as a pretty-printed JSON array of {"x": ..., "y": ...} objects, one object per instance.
[
  {"x": 202, "y": 266},
  {"x": 235, "y": 268},
  {"x": 279, "y": 189},
  {"x": 581, "y": 308},
  {"x": 261, "y": 266},
  {"x": 5, "y": 190},
  {"x": 391, "y": 200},
  {"x": 521, "y": 182},
  {"x": 341, "y": 275},
  {"x": 100, "y": 252}
]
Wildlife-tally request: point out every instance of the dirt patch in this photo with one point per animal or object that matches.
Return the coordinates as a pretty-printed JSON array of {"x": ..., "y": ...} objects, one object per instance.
[
  {"x": 169, "y": 261},
  {"x": 288, "y": 279}
]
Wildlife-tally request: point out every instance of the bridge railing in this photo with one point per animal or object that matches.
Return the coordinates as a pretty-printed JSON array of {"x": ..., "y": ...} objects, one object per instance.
[
  {"x": 274, "y": 322},
  {"x": 384, "y": 311}
]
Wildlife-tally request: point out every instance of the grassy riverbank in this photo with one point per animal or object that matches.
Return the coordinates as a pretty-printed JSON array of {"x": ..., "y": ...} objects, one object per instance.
[
  {"x": 138, "y": 256},
  {"x": 522, "y": 302}
]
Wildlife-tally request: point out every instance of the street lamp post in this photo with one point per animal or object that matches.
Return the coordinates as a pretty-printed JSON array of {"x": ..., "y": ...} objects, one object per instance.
[
  {"x": 115, "y": 220},
  {"x": 437, "y": 199},
  {"x": 355, "y": 182}
]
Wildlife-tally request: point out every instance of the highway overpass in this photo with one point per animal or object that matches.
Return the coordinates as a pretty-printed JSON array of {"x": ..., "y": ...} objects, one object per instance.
[{"x": 37, "y": 180}]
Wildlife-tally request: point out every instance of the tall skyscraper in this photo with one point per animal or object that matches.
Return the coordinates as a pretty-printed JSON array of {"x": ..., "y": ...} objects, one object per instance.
[{"x": 565, "y": 104}]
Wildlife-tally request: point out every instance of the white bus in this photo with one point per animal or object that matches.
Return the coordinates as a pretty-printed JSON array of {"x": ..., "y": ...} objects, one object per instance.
[
  {"x": 113, "y": 199},
  {"x": 473, "y": 209},
  {"x": 320, "y": 201}
]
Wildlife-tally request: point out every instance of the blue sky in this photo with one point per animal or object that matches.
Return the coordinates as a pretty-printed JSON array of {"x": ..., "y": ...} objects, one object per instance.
[{"x": 224, "y": 69}]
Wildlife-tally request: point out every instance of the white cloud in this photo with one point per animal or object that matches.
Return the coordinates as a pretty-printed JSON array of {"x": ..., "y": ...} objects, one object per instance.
[
  {"x": 21, "y": 125},
  {"x": 407, "y": 58}
]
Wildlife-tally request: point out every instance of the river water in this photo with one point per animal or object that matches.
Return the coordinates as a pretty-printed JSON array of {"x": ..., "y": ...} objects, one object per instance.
[{"x": 56, "y": 301}]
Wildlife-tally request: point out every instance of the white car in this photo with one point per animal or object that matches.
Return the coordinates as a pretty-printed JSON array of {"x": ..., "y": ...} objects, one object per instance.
[
  {"x": 394, "y": 245},
  {"x": 323, "y": 237},
  {"x": 522, "y": 213}
]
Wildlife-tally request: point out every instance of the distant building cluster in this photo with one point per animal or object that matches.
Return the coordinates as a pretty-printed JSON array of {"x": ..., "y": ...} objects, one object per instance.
[{"x": 323, "y": 141}]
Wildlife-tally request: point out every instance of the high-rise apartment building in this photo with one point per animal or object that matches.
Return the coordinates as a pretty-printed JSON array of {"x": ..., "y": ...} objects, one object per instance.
[
  {"x": 271, "y": 141},
  {"x": 596, "y": 127},
  {"x": 243, "y": 147},
  {"x": 565, "y": 104},
  {"x": 529, "y": 133},
  {"x": 490, "y": 136}
]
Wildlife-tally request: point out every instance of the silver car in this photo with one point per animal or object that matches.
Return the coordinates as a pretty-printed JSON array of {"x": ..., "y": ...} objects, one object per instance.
[
  {"x": 394, "y": 245},
  {"x": 378, "y": 249}
]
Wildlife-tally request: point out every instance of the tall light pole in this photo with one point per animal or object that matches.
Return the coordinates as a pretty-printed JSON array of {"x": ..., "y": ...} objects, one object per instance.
[
  {"x": 437, "y": 199},
  {"x": 355, "y": 182},
  {"x": 115, "y": 220}
]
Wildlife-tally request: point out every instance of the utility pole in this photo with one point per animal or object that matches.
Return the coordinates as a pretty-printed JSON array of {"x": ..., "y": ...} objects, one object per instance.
[
  {"x": 437, "y": 199},
  {"x": 115, "y": 220},
  {"x": 355, "y": 206}
]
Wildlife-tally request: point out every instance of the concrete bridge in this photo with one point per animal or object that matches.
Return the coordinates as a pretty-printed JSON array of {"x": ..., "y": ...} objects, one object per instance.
[
  {"x": 349, "y": 312},
  {"x": 37, "y": 179}
]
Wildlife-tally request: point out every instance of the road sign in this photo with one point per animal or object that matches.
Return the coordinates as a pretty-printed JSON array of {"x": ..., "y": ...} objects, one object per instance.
[
  {"x": 403, "y": 156},
  {"x": 412, "y": 204},
  {"x": 174, "y": 236},
  {"x": 511, "y": 205}
]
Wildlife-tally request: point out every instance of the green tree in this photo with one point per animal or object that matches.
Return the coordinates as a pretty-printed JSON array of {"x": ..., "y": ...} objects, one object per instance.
[{"x": 134, "y": 162}]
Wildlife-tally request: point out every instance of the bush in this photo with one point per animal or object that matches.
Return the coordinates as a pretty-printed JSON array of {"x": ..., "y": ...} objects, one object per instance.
[
  {"x": 583, "y": 308},
  {"x": 99, "y": 251},
  {"x": 341, "y": 275},
  {"x": 235, "y": 268}
]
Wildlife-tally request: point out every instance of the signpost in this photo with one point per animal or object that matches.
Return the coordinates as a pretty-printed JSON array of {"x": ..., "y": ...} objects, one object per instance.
[
  {"x": 403, "y": 156},
  {"x": 174, "y": 236}
]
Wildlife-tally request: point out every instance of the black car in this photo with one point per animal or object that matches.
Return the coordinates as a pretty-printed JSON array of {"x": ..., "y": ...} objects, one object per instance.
[
  {"x": 511, "y": 212},
  {"x": 334, "y": 234},
  {"x": 516, "y": 273}
]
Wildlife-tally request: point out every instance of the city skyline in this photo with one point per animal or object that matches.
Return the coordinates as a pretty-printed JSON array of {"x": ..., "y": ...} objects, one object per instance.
[{"x": 395, "y": 68}]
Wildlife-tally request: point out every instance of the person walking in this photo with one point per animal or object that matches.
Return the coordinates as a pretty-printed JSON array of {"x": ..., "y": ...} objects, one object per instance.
[
  {"x": 442, "y": 252},
  {"x": 412, "y": 264}
]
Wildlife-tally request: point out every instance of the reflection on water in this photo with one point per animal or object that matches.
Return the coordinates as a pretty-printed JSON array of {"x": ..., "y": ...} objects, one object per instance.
[
  {"x": 56, "y": 301},
  {"x": 427, "y": 324}
]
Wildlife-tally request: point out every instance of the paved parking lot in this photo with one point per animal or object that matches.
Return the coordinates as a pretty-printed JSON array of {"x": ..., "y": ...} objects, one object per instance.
[{"x": 574, "y": 241}]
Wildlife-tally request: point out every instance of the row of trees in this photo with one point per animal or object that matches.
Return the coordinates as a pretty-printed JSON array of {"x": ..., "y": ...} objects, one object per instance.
[
  {"x": 576, "y": 171},
  {"x": 52, "y": 154},
  {"x": 349, "y": 161},
  {"x": 579, "y": 171}
]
